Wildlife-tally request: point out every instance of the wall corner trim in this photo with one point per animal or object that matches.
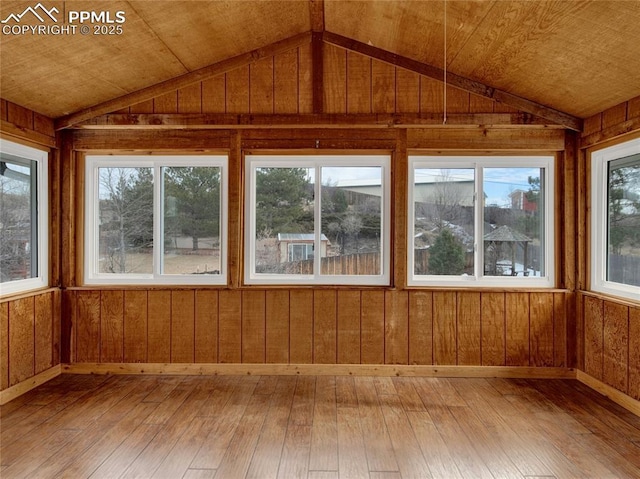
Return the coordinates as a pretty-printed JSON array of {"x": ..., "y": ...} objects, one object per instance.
[
  {"x": 27, "y": 385},
  {"x": 615, "y": 395}
]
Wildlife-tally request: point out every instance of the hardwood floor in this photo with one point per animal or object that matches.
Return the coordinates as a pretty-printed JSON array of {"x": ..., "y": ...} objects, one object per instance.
[{"x": 315, "y": 427}]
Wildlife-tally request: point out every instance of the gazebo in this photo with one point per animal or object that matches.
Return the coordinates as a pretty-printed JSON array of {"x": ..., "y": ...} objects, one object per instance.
[{"x": 493, "y": 244}]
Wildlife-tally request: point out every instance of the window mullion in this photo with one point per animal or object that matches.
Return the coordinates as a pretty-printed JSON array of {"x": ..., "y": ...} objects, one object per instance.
[
  {"x": 317, "y": 216},
  {"x": 478, "y": 205},
  {"x": 158, "y": 221}
]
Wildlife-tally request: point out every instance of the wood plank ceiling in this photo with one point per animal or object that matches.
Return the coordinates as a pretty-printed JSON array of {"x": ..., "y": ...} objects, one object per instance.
[{"x": 577, "y": 57}]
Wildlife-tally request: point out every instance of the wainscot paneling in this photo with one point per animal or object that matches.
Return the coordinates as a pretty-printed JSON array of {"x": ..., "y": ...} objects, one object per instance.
[{"x": 321, "y": 326}]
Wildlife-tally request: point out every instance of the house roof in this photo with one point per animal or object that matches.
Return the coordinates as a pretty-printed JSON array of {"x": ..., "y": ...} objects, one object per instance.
[
  {"x": 574, "y": 57},
  {"x": 505, "y": 234}
]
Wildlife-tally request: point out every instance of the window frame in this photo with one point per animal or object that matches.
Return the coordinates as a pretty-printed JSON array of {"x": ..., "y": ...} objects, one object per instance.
[
  {"x": 478, "y": 163},
  {"x": 91, "y": 216},
  {"x": 41, "y": 159},
  {"x": 600, "y": 160},
  {"x": 253, "y": 161}
]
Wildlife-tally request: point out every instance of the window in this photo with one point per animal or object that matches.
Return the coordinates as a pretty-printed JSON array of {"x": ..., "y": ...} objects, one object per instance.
[
  {"x": 155, "y": 219},
  {"x": 615, "y": 220},
  {"x": 317, "y": 219},
  {"x": 23, "y": 218},
  {"x": 485, "y": 221}
]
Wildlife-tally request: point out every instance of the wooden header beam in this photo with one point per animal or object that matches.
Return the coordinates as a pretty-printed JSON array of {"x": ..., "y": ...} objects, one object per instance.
[{"x": 558, "y": 117}]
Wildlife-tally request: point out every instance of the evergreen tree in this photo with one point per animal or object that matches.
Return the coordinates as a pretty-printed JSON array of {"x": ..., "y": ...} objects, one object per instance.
[{"x": 446, "y": 256}]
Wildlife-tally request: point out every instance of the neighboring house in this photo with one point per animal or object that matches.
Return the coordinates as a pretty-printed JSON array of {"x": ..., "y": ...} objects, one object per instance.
[
  {"x": 520, "y": 201},
  {"x": 299, "y": 246}
]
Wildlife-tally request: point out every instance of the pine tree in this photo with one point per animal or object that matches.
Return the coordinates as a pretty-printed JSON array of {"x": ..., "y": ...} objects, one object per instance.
[{"x": 446, "y": 256}]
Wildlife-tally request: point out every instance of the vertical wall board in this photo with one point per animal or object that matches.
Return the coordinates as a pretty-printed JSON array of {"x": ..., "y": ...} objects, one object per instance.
[
  {"x": 159, "y": 327},
  {"x": 592, "y": 124},
  {"x": 214, "y": 94},
  {"x": 431, "y": 95},
  {"x": 407, "y": 91},
  {"x": 285, "y": 82},
  {"x": 142, "y": 107},
  {"x": 396, "y": 327},
  {"x": 3, "y": 109},
  {"x": 457, "y": 100},
  {"x": 517, "y": 321},
  {"x": 19, "y": 116},
  {"x": 593, "y": 336},
  {"x": 560, "y": 319},
  {"x": 358, "y": 83},
  {"x": 480, "y": 104},
  {"x": 57, "y": 326},
  {"x": 167, "y": 103},
  {"x": 112, "y": 326},
  {"x": 541, "y": 329},
  {"x": 44, "y": 324},
  {"x": 579, "y": 332},
  {"x": 372, "y": 327},
  {"x": 335, "y": 79},
  {"x": 349, "y": 308},
  {"x": 469, "y": 337},
  {"x": 68, "y": 327},
  {"x": 135, "y": 326},
  {"x": 253, "y": 326},
  {"x": 301, "y": 326},
  {"x": 4, "y": 345},
  {"x": 261, "y": 86},
  {"x": 88, "y": 327},
  {"x": 277, "y": 326},
  {"x": 444, "y": 328},
  {"x": 190, "y": 99},
  {"x": 21, "y": 337},
  {"x": 493, "y": 329},
  {"x": 615, "y": 367},
  {"x": 324, "y": 327},
  {"x": 383, "y": 87},
  {"x": 420, "y": 327},
  {"x": 633, "y": 108},
  {"x": 634, "y": 353},
  {"x": 305, "y": 79},
  {"x": 499, "y": 107},
  {"x": 44, "y": 125},
  {"x": 182, "y": 326},
  {"x": 230, "y": 327},
  {"x": 206, "y": 326},
  {"x": 614, "y": 115},
  {"x": 238, "y": 90}
]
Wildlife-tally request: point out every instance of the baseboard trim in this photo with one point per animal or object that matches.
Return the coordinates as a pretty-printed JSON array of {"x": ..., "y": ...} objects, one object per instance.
[
  {"x": 23, "y": 387},
  {"x": 612, "y": 393},
  {"x": 320, "y": 370}
]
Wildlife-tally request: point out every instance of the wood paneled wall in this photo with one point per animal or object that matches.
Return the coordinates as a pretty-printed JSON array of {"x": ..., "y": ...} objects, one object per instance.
[
  {"x": 29, "y": 336},
  {"x": 26, "y": 124},
  {"x": 616, "y": 121},
  {"x": 352, "y": 83},
  {"x": 320, "y": 326},
  {"x": 611, "y": 339}
]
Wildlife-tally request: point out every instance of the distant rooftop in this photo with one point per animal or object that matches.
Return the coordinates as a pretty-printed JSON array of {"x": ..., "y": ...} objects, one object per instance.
[{"x": 300, "y": 237}]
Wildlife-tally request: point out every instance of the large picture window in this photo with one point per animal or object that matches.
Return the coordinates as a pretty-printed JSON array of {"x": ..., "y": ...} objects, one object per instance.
[
  {"x": 317, "y": 219},
  {"x": 481, "y": 221},
  {"x": 615, "y": 221},
  {"x": 155, "y": 219},
  {"x": 23, "y": 218}
]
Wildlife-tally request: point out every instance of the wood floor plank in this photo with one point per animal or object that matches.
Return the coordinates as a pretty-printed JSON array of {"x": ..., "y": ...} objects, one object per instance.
[
  {"x": 323, "y": 454},
  {"x": 295, "y": 454},
  {"x": 351, "y": 445}
]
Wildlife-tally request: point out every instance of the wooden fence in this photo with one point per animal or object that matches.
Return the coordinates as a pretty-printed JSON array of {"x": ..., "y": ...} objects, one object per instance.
[{"x": 350, "y": 264}]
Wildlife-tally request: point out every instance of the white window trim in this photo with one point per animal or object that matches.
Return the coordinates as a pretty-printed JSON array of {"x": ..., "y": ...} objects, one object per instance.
[
  {"x": 479, "y": 280},
  {"x": 41, "y": 158},
  {"x": 285, "y": 160},
  {"x": 599, "y": 179},
  {"x": 94, "y": 162}
]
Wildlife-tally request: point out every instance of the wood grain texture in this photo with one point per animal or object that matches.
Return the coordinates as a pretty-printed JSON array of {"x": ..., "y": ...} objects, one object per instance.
[
  {"x": 634, "y": 353},
  {"x": 396, "y": 327},
  {"x": 301, "y": 326},
  {"x": 615, "y": 367},
  {"x": 135, "y": 326},
  {"x": 237, "y": 96},
  {"x": 349, "y": 328},
  {"x": 383, "y": 87},
  {"x": 159, "y": 327},
  {"x": 230, "y": 327},
  {"x": 4, "y": 345},
  {"x": 277, "y": 326},
  {"x": 206, "y": 326},
  {"x": 324, "y": 327},
  {"x": 21, "y": 340},
  {"x": 372, "y": 327},
  {"x": 358, "y": 83},
  {"x": 111, "y": 326},
  {"x": 593, "y": 337},
  {"x": 469, "y": 329},
  {"x": 407, "y": 91},
  {"x": 561, "y": 338},
  {"x": 214, "y": 95},
  {"x": 335, "y": 79},
  {"x": 517, "y": 337},
  {"x": 541, "y": 329},
  {"x": 261, "y": 86},
  {"x": 43, "y": 332},
  {"x": 444, "y": 328},
  {"x": 493, "y": 329},
  {"x": 286, "y": 82},
  {"x": 182, "y": 326},
  {"x": 253, "y": 326},
  {"x": 88, "y": 326},
  {"x": 305, "y": 75},
  {"x": 420, "y": 327},
  {"x": 166, "y": 103}
]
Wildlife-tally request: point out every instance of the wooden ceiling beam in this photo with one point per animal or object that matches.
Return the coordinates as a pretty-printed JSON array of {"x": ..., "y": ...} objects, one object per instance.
[
  {"x": 326, "y": 120},
  {"x": 182, "y": 81},
  {"x": 477, "y": 88}
]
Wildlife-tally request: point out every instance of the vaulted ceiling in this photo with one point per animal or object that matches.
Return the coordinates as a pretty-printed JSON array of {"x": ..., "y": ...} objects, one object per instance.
[{"x": 578, "y": 57}]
